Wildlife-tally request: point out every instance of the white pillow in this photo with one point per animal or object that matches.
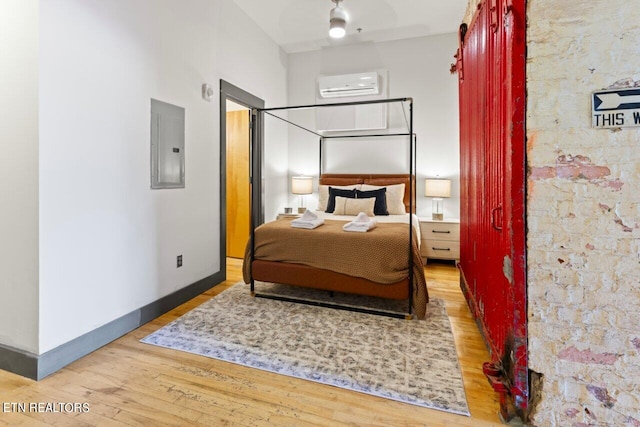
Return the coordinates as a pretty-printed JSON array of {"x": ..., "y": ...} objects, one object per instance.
[
  {"x": 349, "y": 206},
  {"x": 395, "y": 197},
  {"x": 323, "y": 194}
]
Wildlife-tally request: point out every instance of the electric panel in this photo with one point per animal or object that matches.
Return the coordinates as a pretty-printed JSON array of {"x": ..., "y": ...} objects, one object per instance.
[{"x": 167, "y": 145}]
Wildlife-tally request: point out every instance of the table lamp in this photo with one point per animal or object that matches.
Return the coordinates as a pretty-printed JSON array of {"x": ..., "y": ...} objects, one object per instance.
[
  {"x": 438, "y": 189},
  {"x": 301, "y": 185}
]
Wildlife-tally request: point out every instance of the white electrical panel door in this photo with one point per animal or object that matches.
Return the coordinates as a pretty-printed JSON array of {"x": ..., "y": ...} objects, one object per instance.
[{"x": 167, "y": 145}]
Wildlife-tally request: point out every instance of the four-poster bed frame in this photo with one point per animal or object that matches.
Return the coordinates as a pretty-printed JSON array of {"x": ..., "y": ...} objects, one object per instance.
[{"x": 311, "y": 277}]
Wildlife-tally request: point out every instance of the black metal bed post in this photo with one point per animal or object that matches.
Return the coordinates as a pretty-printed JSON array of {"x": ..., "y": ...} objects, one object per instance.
[
  {"x": 320, "y": 147},
  {"x": 373, "y": 135},
  {"x": 411, "y": 197},
  {"x": 337, "y": 104},
  {"x": 253, "y": 146},
  {"x": 256, "y": 141}
]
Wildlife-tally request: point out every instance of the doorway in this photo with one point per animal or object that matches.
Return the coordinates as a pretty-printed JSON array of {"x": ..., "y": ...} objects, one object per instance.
[
  {"x": 237, "y": 158},
  {"x": 236, "y": 171}
]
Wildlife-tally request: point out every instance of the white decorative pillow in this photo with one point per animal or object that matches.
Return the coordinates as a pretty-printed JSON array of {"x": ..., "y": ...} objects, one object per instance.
[
  {"x": 349, "y": 206},
  {"x": 323, "y": 194},
  {"x": 395, "y": 197}
]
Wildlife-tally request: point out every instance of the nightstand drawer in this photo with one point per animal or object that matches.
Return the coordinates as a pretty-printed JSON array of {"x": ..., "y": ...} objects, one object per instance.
[
  {"x": 440, "y": 239},
  {"x": 440, "y": 249},
  {"x": 440, "y": 231}
]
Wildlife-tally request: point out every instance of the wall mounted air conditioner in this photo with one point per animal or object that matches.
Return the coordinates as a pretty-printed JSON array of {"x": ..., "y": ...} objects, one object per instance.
[{"x": 349, "y": 85}]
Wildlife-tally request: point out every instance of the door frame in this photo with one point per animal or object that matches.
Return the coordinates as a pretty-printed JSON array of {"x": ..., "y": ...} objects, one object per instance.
[{"x": 231, "y": 92}]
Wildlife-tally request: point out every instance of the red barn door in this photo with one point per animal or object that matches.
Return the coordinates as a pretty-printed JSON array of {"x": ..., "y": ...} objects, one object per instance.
[{"x": 491, "y": 70}]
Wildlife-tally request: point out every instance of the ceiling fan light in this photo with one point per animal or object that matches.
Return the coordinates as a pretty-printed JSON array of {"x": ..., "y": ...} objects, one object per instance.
[
  {"x": 337, "y": 30},
  {"x": 337, "y": 21}
]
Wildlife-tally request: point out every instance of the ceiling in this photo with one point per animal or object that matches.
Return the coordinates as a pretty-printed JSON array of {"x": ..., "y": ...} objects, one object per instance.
[{"x": 303, "y": 25}]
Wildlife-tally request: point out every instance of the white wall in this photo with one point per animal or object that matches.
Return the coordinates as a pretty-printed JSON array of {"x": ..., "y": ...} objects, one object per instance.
[
  {"x": 417, "y": 68},
  {"x": 19, "y": 174},
  {"x": 108, "y": 243},
  {"x": 249, "y": 59}
]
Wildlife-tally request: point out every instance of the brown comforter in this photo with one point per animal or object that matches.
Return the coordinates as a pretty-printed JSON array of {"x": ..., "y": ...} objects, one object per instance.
[{"x": 379, "y": 255}]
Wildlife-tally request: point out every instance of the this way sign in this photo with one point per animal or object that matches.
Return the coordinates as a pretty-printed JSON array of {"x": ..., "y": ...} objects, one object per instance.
[{"x": 615, "y": 108}]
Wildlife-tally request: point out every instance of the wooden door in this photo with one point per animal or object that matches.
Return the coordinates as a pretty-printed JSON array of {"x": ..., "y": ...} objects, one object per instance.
[
  {"x": 491, "y": 71},
  {"x": 238, "y": 206}
]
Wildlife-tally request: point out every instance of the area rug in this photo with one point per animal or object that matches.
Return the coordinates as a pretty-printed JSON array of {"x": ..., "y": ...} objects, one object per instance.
[{"x": 411, "y": 361}]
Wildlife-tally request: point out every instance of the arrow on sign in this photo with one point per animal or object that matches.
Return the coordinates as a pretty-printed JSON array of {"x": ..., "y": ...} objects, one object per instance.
[{"x": 611, "y": 101}]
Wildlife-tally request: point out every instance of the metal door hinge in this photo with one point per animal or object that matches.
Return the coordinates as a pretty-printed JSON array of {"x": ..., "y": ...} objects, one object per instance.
[
  {"x": 496, "y": 376},
  {"x": 493, "y": 11},
  {"x": 499, "y": 380}
]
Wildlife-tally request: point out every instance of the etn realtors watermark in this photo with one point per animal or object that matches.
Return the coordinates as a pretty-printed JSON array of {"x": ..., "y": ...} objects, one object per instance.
[{"x": 46, "y": 407}]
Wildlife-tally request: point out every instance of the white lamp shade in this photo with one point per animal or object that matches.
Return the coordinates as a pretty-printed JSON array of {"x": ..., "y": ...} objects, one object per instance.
[
  {"x": 302, "y": 185},
  {"x": 437, "y": 187}
]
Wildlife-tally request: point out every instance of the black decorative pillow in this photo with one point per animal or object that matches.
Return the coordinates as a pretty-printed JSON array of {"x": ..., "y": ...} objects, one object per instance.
[
  {"x": 380, "y": 207},
  {"x": 333, "y": 192}
]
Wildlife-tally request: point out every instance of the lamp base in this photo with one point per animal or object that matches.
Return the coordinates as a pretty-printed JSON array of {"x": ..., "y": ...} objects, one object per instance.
[
  {"x": 438, "y": 212},
  {"x": 301, "y": 210}
]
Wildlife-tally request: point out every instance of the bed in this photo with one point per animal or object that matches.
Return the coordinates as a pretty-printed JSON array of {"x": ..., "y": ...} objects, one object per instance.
[{"x": 384, "y": 262}]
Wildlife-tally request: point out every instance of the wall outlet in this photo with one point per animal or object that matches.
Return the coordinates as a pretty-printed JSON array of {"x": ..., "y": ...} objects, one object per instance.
[{"x": 179, "y": 261}]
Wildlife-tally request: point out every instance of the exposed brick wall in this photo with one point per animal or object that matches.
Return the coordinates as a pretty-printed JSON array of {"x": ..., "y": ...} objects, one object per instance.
[
  {"x": 472, "y": 6},
  {"x": 583, "y": 214}
]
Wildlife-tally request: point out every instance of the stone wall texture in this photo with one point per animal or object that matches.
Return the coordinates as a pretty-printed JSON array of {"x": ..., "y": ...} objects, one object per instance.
[
  {"x": 583, "y": 214},
  {"x": 472, "y": 6}
]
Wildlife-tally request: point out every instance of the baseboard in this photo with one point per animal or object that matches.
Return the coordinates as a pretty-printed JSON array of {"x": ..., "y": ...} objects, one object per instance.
[
  {"x": 38, "y": 367},
  {"x": 19, "y": 362}
]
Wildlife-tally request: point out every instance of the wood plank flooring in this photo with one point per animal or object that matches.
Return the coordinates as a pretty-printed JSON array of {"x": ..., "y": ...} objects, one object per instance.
[{"x": 127, "y": 383}]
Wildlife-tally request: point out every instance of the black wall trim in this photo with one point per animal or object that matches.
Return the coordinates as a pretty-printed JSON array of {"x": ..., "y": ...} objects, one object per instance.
[
  {"x": 242, "y": 97},
  {"x": 38, "y": 367},
  {"x": 19, "y": 362}
]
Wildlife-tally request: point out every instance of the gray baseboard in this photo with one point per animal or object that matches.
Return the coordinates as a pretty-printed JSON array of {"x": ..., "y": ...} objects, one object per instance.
[
  {"x": 38, "y": 367},
  {"x": 19, "y": 362}
]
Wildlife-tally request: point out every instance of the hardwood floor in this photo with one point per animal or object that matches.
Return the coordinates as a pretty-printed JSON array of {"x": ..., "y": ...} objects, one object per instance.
[{"x": 129, "y": 383}]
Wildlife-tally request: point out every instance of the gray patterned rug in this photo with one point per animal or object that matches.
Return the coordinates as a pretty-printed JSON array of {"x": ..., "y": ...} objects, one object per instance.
[{"x": 411, "y": 361}]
